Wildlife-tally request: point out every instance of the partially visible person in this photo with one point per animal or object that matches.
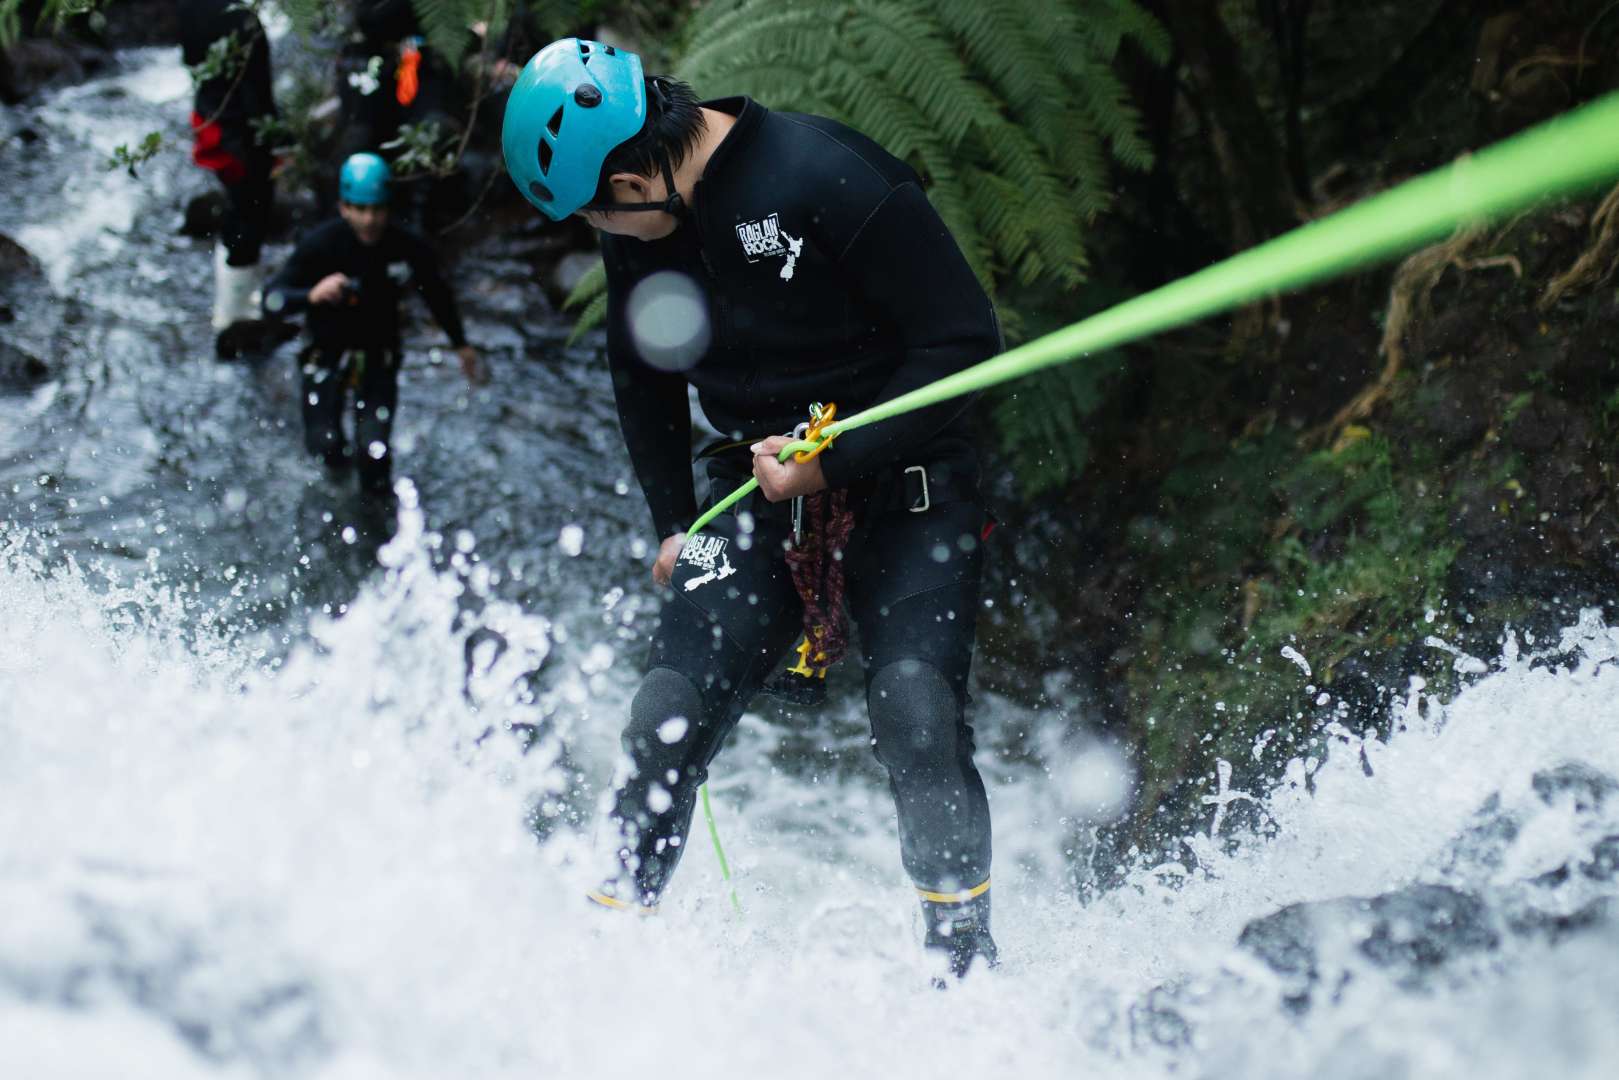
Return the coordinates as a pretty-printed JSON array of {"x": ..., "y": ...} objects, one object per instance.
[
  {"x": 348, "y": 275},
  {"x": 224, "y": 112},
  {"x": 388, "y": 77}
]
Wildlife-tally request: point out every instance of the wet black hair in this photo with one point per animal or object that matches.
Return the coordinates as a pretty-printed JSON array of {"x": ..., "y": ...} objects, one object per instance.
[{"x": 673, "y": 126}]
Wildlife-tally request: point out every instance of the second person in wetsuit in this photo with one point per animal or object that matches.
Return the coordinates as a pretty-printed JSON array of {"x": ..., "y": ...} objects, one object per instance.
[
  {"x": 225, "y": 113},
  {"x": 349, "y": 275},
  {"x": 821, "y": 274}
]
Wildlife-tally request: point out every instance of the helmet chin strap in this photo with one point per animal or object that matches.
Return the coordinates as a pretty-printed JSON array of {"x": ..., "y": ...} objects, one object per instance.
[{"x": 673, "y": 204}]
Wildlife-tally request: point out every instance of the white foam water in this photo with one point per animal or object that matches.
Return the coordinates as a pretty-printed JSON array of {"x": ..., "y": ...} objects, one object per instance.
[{"x": 214, "y": 865}]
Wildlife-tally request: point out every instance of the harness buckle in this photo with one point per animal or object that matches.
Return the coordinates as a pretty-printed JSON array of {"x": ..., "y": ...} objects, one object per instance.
[{"x": 926, "y": 498}]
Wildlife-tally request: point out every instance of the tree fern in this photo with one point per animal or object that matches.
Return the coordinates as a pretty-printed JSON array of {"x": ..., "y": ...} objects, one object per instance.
[{"x": 1011, "y": 112}]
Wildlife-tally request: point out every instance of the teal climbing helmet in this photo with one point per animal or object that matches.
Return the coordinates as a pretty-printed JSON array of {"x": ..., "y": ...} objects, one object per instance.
[
  {"x": 574, "y": 101},
  {"x": 364, "y": 180}
]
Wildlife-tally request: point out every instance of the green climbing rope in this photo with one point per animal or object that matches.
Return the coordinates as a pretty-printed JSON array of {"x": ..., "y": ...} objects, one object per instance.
[
  {"x": 714, "y": 835},
  {"x": 1564, "y": 155}
]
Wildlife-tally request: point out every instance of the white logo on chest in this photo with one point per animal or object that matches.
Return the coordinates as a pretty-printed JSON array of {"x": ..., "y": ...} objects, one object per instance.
[{"x": 765, "y": 238}]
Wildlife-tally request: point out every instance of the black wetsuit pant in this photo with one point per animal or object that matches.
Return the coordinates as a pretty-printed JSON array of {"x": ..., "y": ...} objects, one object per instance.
[
  {"x": 912, "y": 590},
  {"x": 249, "y": 203},
  {"x": 329, "y": 374}
]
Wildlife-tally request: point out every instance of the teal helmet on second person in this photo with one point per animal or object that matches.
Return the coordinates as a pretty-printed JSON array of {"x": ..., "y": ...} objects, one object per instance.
[
  {"x": 573, "y": 103},
  {"x": 364, "y": 180}
]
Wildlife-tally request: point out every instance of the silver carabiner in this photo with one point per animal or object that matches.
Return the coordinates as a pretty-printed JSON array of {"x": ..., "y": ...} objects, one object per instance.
[{"x": 798, "y": 500}]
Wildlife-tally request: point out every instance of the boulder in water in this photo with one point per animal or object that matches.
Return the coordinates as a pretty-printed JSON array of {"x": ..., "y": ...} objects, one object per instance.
[
  {"x": 20, "y": 371},
  {"x": 1407, "y": 934}
]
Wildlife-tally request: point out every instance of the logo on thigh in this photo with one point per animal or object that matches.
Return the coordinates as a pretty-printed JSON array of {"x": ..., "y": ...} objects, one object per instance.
[{"x": 706, "y": 553}]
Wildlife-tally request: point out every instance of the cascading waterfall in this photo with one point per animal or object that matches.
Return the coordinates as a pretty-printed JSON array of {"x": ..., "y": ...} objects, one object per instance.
[{"x": 235, "y": 845}]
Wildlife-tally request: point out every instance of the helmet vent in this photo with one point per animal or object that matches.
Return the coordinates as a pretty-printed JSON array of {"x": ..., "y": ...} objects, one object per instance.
[
  {"x": 554, "y": 125},
  {"x": 545, "y": 157},
  {"x": 540, "y": 191},
  {"x": 610, "y": 50}
]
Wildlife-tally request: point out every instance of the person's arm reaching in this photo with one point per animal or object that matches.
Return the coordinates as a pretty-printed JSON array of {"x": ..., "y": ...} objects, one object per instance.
[
  {"x": 424, "y": 268},
  {"x": 289, "y": 291},
  {"x": 653, "y": 413}
]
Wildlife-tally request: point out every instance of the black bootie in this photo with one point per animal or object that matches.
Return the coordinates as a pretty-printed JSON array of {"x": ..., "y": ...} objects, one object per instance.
[{"x": 960, "y": 933}]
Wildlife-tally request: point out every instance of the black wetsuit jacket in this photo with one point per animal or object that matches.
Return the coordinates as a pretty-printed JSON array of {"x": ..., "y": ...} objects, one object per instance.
[
  {"x": 369, "y": 316},
  {"x": 829, "y": 277}
]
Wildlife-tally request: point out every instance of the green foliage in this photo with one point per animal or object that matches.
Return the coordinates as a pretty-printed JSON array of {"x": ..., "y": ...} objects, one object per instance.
[
  {"x": 225, "y": 59},
  {"x": 1010, "y": 112},
  {"x": 590, "y": 294},
  {"x": 125, "y": 158},
  {"x": 53, "y": 13},
  {"x": 295, "y": 135},
  {"x": 1042, "y": 420},
  {"x": 1343, "y": 553},
  {"x": 313, "y": 18},
  {"x": 423, "y": 149},
  {"x": 446, "y": 23}
]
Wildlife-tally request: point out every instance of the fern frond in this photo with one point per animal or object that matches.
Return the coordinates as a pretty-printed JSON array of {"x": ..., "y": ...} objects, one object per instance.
[
  {"x": 591, "y": 284},
  {"x": 592, "y": 316},
  {"x": 1011, "y": 111},
  {"x": 777, "y": 33},
  {"x": 445, "y": 24}
]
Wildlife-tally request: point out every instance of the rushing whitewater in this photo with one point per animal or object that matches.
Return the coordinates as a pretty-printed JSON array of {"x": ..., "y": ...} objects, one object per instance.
[
  {"x": 240, "y": 837},
  {"x": 212, "y": 868}
]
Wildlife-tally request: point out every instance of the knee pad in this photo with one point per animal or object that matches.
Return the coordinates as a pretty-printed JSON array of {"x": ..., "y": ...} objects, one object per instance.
[
  {"x": 915, "y": 717},
  {"x": 666, "y": 717}
]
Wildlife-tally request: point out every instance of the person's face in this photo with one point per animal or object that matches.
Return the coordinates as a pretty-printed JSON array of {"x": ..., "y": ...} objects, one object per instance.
[
  {"x": 366, "y": 221},
  {"x": 631, "y": 189}
]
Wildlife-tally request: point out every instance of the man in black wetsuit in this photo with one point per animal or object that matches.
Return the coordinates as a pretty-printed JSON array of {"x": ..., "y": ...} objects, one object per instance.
[
  {"x": 224, "y": 111},
  {"x": 818, "y": 272},
  {"x": 349, "y": 274}
]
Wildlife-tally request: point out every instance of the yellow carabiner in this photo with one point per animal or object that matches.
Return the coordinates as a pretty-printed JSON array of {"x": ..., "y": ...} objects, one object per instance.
[{"x": 820, "y": 417}]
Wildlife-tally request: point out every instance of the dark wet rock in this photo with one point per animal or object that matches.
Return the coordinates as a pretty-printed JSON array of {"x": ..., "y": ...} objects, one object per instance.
[
  {"x": 1456, "y": 413},
  {"x": 203, "y": 214},
  {"x": 1452, "y": 332},
  {"x": 20, "y": 371},
  {"x": 1156, "y": 1021},
  {"x": 1590, "y": 789},
  {"x": 1589, "y": 367},
  {"x": 1545, "y": 423},
  {"x": 1482, "y": 844},
  {"x": 16, "y": 261},
  {"x": 1603, "y": 865},
  {"x": 251, "y": 338},
  {"x": 1481, "y": 848},
  {"x": 1421, "y": 927},
  {"x": 1555, "y": 927},
  {"x": 1407, "y": 934},
  {"x": 34, "y": 63}
]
